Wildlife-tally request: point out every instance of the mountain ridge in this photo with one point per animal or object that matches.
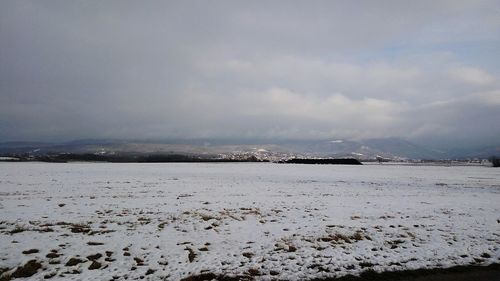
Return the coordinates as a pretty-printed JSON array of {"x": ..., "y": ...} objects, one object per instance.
[{"x": 365, "y": 149}]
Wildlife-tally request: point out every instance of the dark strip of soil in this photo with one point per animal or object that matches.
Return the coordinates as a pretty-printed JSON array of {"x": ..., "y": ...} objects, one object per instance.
[{"x": 457, "y": 273}]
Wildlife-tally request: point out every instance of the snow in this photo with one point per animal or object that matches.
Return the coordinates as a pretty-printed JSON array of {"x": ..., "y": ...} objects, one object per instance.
[
  {"x": 2, "y": 158},
  {"x": 292, "y": 221}
]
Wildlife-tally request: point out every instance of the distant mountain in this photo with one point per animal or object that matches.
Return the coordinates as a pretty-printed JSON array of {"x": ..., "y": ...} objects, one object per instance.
[
  {"x": 482, "y": 152},
  {"x": 367, "y": 149},
  {"x": 402, "y": 148},
  {"x": 391, "y": 148}
]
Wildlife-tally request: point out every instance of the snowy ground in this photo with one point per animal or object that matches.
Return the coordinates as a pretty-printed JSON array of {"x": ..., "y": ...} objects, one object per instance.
[{"x": 267, "y": 221}]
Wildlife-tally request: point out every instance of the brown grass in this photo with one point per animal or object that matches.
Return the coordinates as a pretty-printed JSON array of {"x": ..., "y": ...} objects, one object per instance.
[
  {"x": 27, "y": 270},
  {"x": 191, "y": 254},
  {"x": 30, "y": 251}
]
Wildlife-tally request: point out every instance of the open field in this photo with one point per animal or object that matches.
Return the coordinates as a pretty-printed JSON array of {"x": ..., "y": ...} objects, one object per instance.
[{"x": 89, "y": 221}]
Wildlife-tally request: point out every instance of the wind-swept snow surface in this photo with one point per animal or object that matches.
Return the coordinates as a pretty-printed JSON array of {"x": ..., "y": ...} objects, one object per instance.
[{"x": 91, "y": 221}]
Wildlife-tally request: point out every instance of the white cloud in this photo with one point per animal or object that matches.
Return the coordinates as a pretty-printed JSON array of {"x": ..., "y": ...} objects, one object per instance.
[
  {"x": 472, "y": 75},
  {"x": 248, "y": 69}
]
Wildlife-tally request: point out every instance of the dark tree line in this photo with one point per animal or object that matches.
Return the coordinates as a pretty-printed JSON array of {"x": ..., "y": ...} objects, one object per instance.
[
  {"x": 125, "y": 158},
  {"x": 339, "y": 161},
  {"x": 495, "y": 161}
]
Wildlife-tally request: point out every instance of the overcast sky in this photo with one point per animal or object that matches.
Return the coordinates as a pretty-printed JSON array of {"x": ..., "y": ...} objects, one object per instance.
[{"x": 420, "y": 70}]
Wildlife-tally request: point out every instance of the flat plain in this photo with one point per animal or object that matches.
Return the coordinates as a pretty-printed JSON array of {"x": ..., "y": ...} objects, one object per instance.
[{"x": 264, "y": 221}]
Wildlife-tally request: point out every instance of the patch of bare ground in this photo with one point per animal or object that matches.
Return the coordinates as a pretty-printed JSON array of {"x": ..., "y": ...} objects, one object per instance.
[
  {"x": 74, "y": 261},
  {"x": 191, "y": 254},
  {"x": 457, "y": 273},
  {"x": 95, "y": 265},
  {"x": 212, "y": 276},
  {"x": 342, "y": 238},
  {"x": 27, "y": 270},
  {"x": 80, "y": 228},
  {"x": 30, "y": 251},
  {"x": 53, "y": 255},
  {"x": 94, "y": 257},
  {"x": 19, "y": 229}
]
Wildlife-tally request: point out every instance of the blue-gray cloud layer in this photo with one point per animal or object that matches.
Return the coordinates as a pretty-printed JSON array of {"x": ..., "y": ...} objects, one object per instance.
[{"x": 256, "y": 69}]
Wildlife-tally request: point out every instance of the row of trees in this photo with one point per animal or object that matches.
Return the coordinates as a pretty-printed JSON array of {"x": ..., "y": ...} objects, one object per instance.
[{"x": 495, "y": 161}]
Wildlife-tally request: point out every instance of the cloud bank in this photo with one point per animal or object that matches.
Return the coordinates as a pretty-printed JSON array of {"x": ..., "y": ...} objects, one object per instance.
[{"x": 236, "y": 69}]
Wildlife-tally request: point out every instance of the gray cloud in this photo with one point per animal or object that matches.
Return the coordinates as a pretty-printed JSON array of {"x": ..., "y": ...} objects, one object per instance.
[{"x": 280, "y": 69}]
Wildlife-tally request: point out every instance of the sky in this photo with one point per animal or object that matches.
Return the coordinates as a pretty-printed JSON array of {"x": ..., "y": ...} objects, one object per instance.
[{"x": 426, "y": 71}]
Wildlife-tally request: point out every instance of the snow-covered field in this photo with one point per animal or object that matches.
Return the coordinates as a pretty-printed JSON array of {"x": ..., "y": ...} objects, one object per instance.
[{"x": 89, "y": 221}]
